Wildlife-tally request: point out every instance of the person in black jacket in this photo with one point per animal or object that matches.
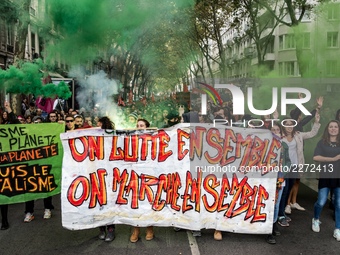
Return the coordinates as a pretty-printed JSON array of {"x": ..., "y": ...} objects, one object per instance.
[{"x": 11, "y": 119}]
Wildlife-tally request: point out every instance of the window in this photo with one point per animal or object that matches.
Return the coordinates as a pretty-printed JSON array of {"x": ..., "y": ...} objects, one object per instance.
[
  {"x": 306, "y": 40},
  {"x": 32, "y": 11},
  {"x": 281, "y": 73},
  {"x": 332, "y": 39},
  {"x": 289, "y": 41},
  {"x": 331, "y": 67},
  {"x": 289, "y": 68},
  {"x": 281, "y": 42},
  {"x": 286, "y": 42},
  {"x": 286, "y": 68},
  {"x": 333, "y": 12}
]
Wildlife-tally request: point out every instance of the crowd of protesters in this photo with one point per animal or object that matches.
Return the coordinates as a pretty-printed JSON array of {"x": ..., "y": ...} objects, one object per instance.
[{"x": 170, "y": 111}]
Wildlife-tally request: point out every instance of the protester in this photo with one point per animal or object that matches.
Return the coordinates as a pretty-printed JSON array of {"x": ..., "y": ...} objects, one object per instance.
[
  {"x": 78, "y": 121},
  {"x": 106, "y": 123},
  {"x": 276, "y": 129},
  {"x": 327, "y": 153},
  {"x": 294, "y": 140},
  {"x": 142, "y": 124},
  {"x": 69, "y": 120},
  {"x": 31, "y": 110},
  {"x": 48, "y": 206},
  {"x": 10, "y": 119}
]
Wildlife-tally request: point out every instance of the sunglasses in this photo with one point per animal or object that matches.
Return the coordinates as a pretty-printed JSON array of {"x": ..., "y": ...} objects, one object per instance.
[{"x": 67, "y": 121}]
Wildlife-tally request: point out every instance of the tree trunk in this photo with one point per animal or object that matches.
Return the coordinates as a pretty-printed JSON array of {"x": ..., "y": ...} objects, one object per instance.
[
  {"x": 22, "y": 29},
  {"x": 302, "y": 64}
]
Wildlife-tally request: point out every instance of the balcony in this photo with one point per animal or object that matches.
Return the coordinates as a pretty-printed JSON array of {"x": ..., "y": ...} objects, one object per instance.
[
  {"x": 269, "y": 57},
  {"x": 248, "y": 52}
]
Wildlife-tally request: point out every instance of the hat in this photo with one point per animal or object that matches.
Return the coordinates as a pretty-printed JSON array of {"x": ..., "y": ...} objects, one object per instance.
[
  {"x": 36, "y": 118},
  {"x": 172, "y": 115},
  {"x": 134, "y": 115}
]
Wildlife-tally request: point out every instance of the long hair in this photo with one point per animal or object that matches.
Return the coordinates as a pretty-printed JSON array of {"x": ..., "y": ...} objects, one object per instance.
[
  {"x": 284, "y": 129},
  {"x": 106, "y": 123},
  {"x": 337, "y": 115},
  {"x": 326, "y": 136},
  {"x": 276, "y": 123}
]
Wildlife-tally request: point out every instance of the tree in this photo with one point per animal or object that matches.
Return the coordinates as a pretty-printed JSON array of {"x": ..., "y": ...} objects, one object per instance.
[
  {"x": 211, "y": 22},
  {"x": 260, "y": 26},
  {"x": 291, "y": 13},
  {"x": 23, "y": 7}
]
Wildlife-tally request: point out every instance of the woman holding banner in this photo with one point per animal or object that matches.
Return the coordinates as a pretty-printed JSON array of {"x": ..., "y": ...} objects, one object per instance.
[
  {"x": 106, "y": 123},
  {"x": 142, "y": 124},
  {"x": 327, "y": 153}
]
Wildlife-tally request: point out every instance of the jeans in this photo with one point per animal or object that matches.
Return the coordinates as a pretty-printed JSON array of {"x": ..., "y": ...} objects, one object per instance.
[
  {"x": 322, "y": 199},
  {"x": 285, "y": 194},
  {"x": 277, "y": 204},
  {"x": 29, "y": 205}
]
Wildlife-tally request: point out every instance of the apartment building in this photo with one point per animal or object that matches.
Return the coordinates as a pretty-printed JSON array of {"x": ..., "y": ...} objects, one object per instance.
[
  {"x": 319, "y": 38},
  {"x": 7, "y": 33}
]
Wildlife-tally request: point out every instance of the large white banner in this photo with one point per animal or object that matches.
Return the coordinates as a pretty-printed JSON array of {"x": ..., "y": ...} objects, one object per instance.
[{"x": 188, "y": 177}]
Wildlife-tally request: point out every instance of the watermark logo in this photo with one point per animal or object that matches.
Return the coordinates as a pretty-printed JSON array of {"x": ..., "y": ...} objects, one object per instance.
[{"x": 238, "y": 98}]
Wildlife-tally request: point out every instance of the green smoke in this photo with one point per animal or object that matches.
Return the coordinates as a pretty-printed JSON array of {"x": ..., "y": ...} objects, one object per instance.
[
  {"x": 27, "y": 79},
  {"x": 88, "y": 28}
]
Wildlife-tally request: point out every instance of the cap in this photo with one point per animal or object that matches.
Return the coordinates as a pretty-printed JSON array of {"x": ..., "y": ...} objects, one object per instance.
[{"x": 134, "y": 115}]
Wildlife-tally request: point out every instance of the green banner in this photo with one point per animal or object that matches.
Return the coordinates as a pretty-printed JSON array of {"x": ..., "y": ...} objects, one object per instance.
[{"x": 30, "y": 161}]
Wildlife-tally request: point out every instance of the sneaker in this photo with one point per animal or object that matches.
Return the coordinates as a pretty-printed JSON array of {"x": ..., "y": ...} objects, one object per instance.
[
  {"x": 47, "y": 214},
  {"x": 110, "y": 235},
  {"x": 196, "y": 233},
  {"x": 297, "y": 207},
  {"x": 271, "y": 239},
  {"x": 336, "y": 234},
  {"x": 316, "y": 226},
  {"x": 102, "y": 233},
  {"x": 288, "y": 219},
  {"x": 29, "y": 217},
  {"x": 288, "y": 209},
  {"x": 283, "y": 222}
]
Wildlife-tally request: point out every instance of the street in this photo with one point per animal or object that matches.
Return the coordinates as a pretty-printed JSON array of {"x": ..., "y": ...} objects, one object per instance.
[{"x": 49, "y": 237}]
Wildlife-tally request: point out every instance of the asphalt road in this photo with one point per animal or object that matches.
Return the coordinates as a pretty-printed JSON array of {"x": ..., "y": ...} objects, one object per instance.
[{"x": 49, "y": 237}]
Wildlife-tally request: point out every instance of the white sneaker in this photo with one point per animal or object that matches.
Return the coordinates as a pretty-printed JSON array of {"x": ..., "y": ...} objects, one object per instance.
[
  {"x": 297, "y": 207},
  {"x": 47, "y": 214},
  {"x": 336, "y": 234},
  {"x": 288, "y": 209},
  {"x": 316, "y": 226},
  {"x": 29, "y": 217}
]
